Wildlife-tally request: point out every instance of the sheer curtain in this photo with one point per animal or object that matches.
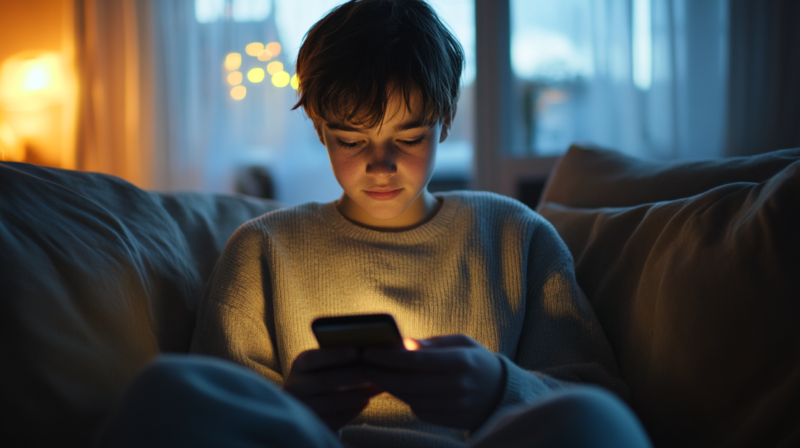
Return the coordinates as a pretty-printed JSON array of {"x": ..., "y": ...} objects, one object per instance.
[
  {"x": 647, "y": 77},
  {"x": 207, "y": 134},
  {"x": 114, "y": 59}
]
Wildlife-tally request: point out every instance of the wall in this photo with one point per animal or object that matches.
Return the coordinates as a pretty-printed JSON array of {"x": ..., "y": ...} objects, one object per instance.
[
  {"x": 31, "y": 25},
  {"x": 42, "y": 25}
]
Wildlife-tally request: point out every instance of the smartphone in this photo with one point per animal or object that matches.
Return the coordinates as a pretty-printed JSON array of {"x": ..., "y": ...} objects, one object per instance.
[{"x": 361, "y": 331}]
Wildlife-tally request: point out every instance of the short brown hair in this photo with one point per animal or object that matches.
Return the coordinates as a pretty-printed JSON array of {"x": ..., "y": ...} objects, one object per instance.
[{"x": 364, "y": 51}]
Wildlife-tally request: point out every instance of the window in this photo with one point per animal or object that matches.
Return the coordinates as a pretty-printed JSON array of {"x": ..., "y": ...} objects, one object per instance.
[{"x": 623, "y": 74}]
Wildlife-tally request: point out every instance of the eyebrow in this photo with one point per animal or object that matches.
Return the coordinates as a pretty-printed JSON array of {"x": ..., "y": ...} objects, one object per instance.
[{"x": 401, "y": 127}]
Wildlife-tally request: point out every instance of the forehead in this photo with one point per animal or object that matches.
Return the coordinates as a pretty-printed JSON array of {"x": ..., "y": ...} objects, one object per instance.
[{"x": 398, "y": 116}]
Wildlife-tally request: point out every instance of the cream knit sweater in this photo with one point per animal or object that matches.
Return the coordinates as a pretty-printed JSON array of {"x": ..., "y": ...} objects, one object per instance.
[{"x": 485, "y": 266}]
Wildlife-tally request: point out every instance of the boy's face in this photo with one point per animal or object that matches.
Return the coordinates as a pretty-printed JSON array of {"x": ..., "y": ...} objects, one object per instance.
[{"x": 385, "y": 171}]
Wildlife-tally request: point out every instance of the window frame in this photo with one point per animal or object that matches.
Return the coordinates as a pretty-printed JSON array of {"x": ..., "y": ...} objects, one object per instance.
[{"x": 493, "y": 170}]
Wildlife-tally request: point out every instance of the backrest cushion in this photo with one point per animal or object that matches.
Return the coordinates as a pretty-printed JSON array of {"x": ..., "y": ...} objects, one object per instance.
[
  {"x": 589, "y": 176},
  {"x": 96, "y": 277},
  {"x": 700, "y": 299}
]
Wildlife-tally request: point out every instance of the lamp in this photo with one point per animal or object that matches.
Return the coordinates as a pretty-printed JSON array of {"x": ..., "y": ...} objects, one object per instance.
[{"x": 32, "y": 100}]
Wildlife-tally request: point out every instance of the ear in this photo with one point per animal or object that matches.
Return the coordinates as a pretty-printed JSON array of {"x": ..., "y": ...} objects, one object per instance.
[
  {"x": 445, "y": 129},
  {"x": 318, "y": 128}
]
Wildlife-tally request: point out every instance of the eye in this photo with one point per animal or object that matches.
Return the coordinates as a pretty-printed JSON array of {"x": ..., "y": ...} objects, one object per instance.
[
  {"x": 344, "y": 144},
  {"x": 412, "y": 142}
]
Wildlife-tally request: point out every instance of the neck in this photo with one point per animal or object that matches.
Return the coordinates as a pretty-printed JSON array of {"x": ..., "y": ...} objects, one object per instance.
[{"x": 419, "y": 212}]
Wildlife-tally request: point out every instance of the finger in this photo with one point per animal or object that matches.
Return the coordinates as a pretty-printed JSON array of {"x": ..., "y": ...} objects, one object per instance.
[
  {"x": 339, "y": 418},
  {"x": 453, "y": 340},
  {"x": 434, "y": 360},
  {"x": 403, "y": 384},
  {"x": 323, "y": 381},
  {"x": 316, "y": 359},
  {"x": 341, "y": 401}
]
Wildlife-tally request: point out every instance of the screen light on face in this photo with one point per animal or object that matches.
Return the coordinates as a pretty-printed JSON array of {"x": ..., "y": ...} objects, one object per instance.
[{"x": 255, "y": 75}]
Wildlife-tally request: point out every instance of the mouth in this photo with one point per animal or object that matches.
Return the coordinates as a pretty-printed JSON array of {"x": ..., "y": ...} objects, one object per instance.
[{"x": 381, "y": 194}]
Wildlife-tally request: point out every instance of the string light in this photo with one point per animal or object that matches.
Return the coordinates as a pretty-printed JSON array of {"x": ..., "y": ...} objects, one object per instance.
[
  {"x": 234, "y": 78},
  {"x": 238, "y": 92},
  {"x": 280, "y": 79},
  {"x": 274, "y": 48},
  {"x": 274, "y": 67},
  {"x": 233, "y": 61},
  {"x": 254, "y": 48},
  {"x": 265, "y": 55},
  {"x": 295, "y": 82},
  {"x": 255, "y": 75}
]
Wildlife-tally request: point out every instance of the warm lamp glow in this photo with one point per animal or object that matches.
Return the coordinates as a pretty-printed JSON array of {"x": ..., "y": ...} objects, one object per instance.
[
  {"x": 31, "y": 82},
  {"x": 11, "y": 149},
  {"x": 274, "y": 67},
  {"x": 234, "y": 78},
  {"x": 238, "y": 92},
  {"x": 274, "y": 48},
  {"x": 280, "y": 79},
  {"x": 295, "y": 82},
  {"x": 256, "y": 75},
  {"x": 233, "y": 61},
  {"x": 254, "y": 48},
  {"x": 265, "y": 56}
]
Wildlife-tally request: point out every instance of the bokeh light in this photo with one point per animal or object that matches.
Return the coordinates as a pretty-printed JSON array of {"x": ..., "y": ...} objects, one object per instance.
[
  {"x": 265, "y": 55},
  {"x": 274, "y": 67},
  {"x": 295, "y": 81},
  {"x": 280, "y": 79},
  {"x": 238, "y": 92},
  {"x": 254, "y": 48},
  {"x": 233, "y": 61},
  {"x": 274, "y": 48},
  {"x": 234, "y": 78},
  {"x": 255, "y": 75}
]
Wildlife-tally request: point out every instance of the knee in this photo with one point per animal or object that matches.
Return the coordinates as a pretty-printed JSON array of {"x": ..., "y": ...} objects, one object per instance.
[
  {"x": 175, "y": 375},
  {"x": 595, "y": 417}
]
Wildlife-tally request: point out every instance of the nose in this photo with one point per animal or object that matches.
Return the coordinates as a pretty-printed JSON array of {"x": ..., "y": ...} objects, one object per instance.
[{"x": 382, "y": 163}]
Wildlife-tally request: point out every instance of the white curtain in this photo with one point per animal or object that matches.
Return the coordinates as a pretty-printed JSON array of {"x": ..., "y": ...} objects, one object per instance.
[
  {"x": 113, "y": 52},
  {"x": 647, "y": 77},
  {"x": 207, "y": 134}
]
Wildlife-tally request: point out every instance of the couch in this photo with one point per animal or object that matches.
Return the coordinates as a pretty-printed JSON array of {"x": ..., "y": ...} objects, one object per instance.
[{"x": 692, "y": 268}]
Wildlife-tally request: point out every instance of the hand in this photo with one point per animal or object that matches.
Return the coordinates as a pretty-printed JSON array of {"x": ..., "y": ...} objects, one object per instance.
[
  {"x": 448, "y": 380},
  {"x": 328, "y": 382}
]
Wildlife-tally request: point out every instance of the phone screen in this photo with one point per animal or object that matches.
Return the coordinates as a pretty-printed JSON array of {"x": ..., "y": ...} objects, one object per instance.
[{"x": 363, "y": 331}]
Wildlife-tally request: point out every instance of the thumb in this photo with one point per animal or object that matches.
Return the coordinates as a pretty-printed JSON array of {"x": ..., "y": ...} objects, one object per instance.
[{"x": 454, "y": 340}]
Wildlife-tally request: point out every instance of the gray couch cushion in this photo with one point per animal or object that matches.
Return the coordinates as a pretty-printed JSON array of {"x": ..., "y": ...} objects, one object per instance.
[
  {"x": 699, "y": 296},
  {"x": 96, "y": 277},
  {"x": 589, "y": 176}
]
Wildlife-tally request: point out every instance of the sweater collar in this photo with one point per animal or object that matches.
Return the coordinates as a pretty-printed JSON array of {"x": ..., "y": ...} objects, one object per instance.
[{"x": 437, "y": 225}]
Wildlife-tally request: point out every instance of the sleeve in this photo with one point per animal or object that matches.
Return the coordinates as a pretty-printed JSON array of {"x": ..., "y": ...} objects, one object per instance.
[
  {"x": 234, "y": 319},
  {"x": 561, "y": 342}
]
